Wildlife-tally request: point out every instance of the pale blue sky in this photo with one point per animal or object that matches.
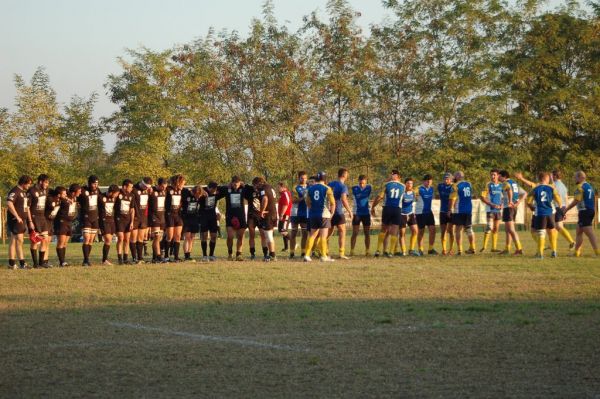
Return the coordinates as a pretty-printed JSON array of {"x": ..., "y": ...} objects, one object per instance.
[{"x": 78, "y": 41}]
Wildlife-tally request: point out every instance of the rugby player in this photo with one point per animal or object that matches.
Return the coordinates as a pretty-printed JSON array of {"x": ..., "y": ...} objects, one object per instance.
[
  {"x": 512, "y": 196},
  {"x": 299, "y": 215},
  {"x": 108, "y": 227},
  {"x": 268, "y": 217},
  {"x": 284, "y": 209},
  {"x": 38, "y": 195},
  {"x": 338, "y": 220},
  {"x": 141, "y": 195},
  {"x": 425, "y": 220},
  {"x": 361, "y": 193},
  {"x": 408, "y": 218},
  {"x": 252, "y": 198},
  {"x": 321, "y": 205},
  {"x": 52, "y": 208},
  {"x": 125, "y": 213},
  {"x": 191, "y": 219},
  {"x": 173, "y": 217},
  {"x": 492, "y": 197},
  {"x": 208, "y": 220},
  {"x": 63, "y": 224},
  {"x": 446, "y": 228},
  {"x": 88, "y": 216},
  {"x": 157, "y": 220},
  {"x": 18, "y": 220},
  {"x": 461, "y": 209},
  {"x": 585, "y": 201},
  {"x": 235, "y": 215},
  {"x": 540, "y": 202},
  {"x": 392, "y": 194}
]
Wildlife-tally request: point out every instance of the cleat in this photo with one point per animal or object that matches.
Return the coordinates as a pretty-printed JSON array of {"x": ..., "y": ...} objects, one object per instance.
[
  {"x": 86, "y": 264},
  {"x": 292, "y": 256},
  {"x": 482, "y": 249},
  {"x": 351, "y": 253},
  {"x": 399, "y": 254},
  {"x": 505, "y": 252},
  {"x": 414, "y": 253},
  {"x": 571, "y": 246},
  {"x": 64, "y": 264},
  {"x": 165, "y": 260},
  {"x": 252, "y": 256},
  {"x": 495, "y": 251},
  {"x": 538, "y": 256},
  {"x": 230, "y": 257},
  {"x": 106, "y": 263},
  {"x": 267, "y": 259},
  {"x": 239, "y": 258},
  {"x": 518, "y": 252},
  {"x": 13, "y": 267},
  {"x": 554, "y": 254},
  {"x": 368, "y": 254},
  {"x": 444, "y": 253},
  {"x": 421, "y": 253},
  {"x": 326, "y": 259},
  {"x": 470, "y": 251},
  {"x": 387, "y": 255},
  {"x": 284, "y": 250},
  {"x": 204, "y": 259},
  {"x": 344, "y": 257},
  {"x": 307, "y": 259},
  {"x": 432, "y": 252},
  {"x": 458, "y": 253},
  {"x": 377, "y": 254},
  {"x": 212, "y": 258}
]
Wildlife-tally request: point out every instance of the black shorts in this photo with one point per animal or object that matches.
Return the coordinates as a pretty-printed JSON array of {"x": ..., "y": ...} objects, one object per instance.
[
  {"x": 107, "y": 226},
  {"x": 462, "y": 219},
  {"x": 158, "y": 221},
  {"x": 140, "y": 221},
  {"x": 50, "y": 226},
  {"x": 391, "y": 216},
  {"x": 298, "y": 220},
  {"x": 208, "y": 223},
  {"x": 493, "y": 216},
  {"x": 123, "y": 225},
  {"x": 509, "y": 214},
  {"x": 14, "y": 227},
  {"x": 191, "y": 225},
  {"x": 543, "y": 222},
  {"x": 267, "y": 223},
  {"x": 63, "y": 227},
  {"x": 174, "y": 220},
  {"x": 364, "y": 219},
  {"x": 559, "y": 216},
  {"x": 253, "y": 219},
  {"x": 586, "y": 217},
  {"x": 407, "y": 220},
  {"x": 338, "y": 219},
  {"x": 425, "y": 219},
  {"x": 445, "y": 218},
  {"x": 320, "y": 223},
  {"x": 39, "y": 222},
  {"x": 87, "y": 223},
  {"x": 241, "y": 220}
]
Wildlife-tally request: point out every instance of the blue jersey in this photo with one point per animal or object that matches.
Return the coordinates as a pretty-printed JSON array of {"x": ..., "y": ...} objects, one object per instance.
[
  {"x": 318, "y": 198},
  {"x": 541, "y": 197},
  {"x": 299, "y": 208},
  {"x": 493, "y": 193},
  {"x": 585, "y": 194},
  {"x": 462, "y": 193},
  {"x": 392, "y": 193},
  {"x": 444, "y": 191},
  {"x": 361, "y": 200},
  {"x": 339, "y": 189},
  {"x": 408, "y": 201},
  {"x": 424, "y": 199},
  {"x": 514, "y": 187}
]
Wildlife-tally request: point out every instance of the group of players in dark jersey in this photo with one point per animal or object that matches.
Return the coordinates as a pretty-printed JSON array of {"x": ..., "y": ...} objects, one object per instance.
[{"x": 167, "y": 212}]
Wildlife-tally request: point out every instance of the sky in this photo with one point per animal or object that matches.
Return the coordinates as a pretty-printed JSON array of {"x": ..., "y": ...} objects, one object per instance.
[{"x": 79, "y": 41}]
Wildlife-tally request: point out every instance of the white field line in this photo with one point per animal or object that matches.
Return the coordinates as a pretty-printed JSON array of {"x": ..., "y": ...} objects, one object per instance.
[{"x": 210, "y": 338}]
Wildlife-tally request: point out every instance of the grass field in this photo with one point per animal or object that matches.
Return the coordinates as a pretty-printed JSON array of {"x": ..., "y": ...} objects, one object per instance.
[{"x": 475, "y": 326}]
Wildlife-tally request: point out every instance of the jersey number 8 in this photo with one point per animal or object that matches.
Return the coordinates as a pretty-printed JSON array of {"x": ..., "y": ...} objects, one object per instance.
[{"x": 316, "y": 195}]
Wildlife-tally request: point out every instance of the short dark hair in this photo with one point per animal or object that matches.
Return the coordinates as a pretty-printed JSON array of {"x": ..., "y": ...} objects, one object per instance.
[
  {"x": 24, "y": 180},
  {"x": 362, "y": 177},
  {"x": 212, "y": 184},
  {"x": 257, "y": 181},
  {"x": 162, "y": 180},
  {"x": 427, "y": 177},
  {"x": 557, "y": 173},
  {"x": 43, "y": 177},
  {"x": 92, "y": 179},
  {"x": 74, "y": 187},
  {"x": 301, "y": 173},
  {"x": 542, "y": 175},
  {"x": 58, "y": 190},
  {"x": 113, "y": 188},
  {"x": 126, "y": 182},
  {"x": 504, "y": 173},
  {"x": 395, "y": 172},
  {"x": 341, "y": 171},
  {"x": 147, "y": 180},
  {"x": 408, "y": 179},
  {"x": 495, "y": 171},
  {"x": 235, "y": 179}
]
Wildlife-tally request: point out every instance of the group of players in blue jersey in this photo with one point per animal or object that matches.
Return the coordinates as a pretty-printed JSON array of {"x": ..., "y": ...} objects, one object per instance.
[{"x": 319, "y": 208}]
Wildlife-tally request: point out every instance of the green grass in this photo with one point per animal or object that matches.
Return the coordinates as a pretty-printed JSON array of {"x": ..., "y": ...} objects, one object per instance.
[{"x": 474, "y": 326}]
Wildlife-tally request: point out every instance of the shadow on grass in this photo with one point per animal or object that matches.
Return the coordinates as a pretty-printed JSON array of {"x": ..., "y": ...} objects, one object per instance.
[{"x": 287, "y": 348}]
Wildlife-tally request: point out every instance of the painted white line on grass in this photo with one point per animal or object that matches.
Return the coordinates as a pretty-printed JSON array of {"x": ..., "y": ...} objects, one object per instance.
[{"x": 211, "y": 338}]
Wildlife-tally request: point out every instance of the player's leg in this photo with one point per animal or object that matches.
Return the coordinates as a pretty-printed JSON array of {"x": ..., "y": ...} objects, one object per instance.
[
  {"x": 341, "y": 227},
  {"x": 355, "y": 231},
  {"x": 367, "y": 232},
  {"x": 107, "y": 240},
  {"x": 252, "y": 236}
]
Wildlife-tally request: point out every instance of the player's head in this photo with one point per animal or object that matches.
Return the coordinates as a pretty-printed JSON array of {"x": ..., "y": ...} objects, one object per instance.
[
  {"x": 362, "y": 181},
  {"x": 448, "y": 178},
  {"x": 427, "y": 180},
  {"x": 161, "y": 183},
  {"x": 409, "y": 183},
  {"x": 458, "y": 176},
  {"x": 43, "y": 181},
  {"x": 25, "y": 182},
  {"x": 74, "y": 190},
  {"x": 342, "y": 173},
  {"x": 494, "y": 174},
  {"x": 504, "y": 175},
  {"x": 93, "y": 182},
  {"x": 580, "y": 176},
  {"x": 311, "y": 180},
  {"x": 146, "y": 183},
  {"x": 178, "y": 182},
  {"x": 556, "y": 174},
  {"x": 113, "y": 191},
  {"x": 544, "y": 177},
  {"x": 258, "y": 182},
  {"x": 60, "y": 191},
  {"x": 321, "y": 177},
  {"x": 281, "y": 186},
  {"x": 212, "y": 187},
  {"x": 396, "y": 175},
  {"x": 236, "y": 182},
  {"x": 302, "y": 177},
  {"x": 127, "y": 186}
]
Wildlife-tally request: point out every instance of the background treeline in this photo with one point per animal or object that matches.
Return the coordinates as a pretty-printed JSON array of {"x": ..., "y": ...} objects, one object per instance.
[{"x": 441, "y": 85}]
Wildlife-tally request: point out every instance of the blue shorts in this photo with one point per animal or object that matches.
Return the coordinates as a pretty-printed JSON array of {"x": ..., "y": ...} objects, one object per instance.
[{"x": 320, "y": 223}]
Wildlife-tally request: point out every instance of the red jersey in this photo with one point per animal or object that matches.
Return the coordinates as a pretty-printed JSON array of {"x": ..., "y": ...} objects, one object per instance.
[{"x": 285, "y": 198}]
